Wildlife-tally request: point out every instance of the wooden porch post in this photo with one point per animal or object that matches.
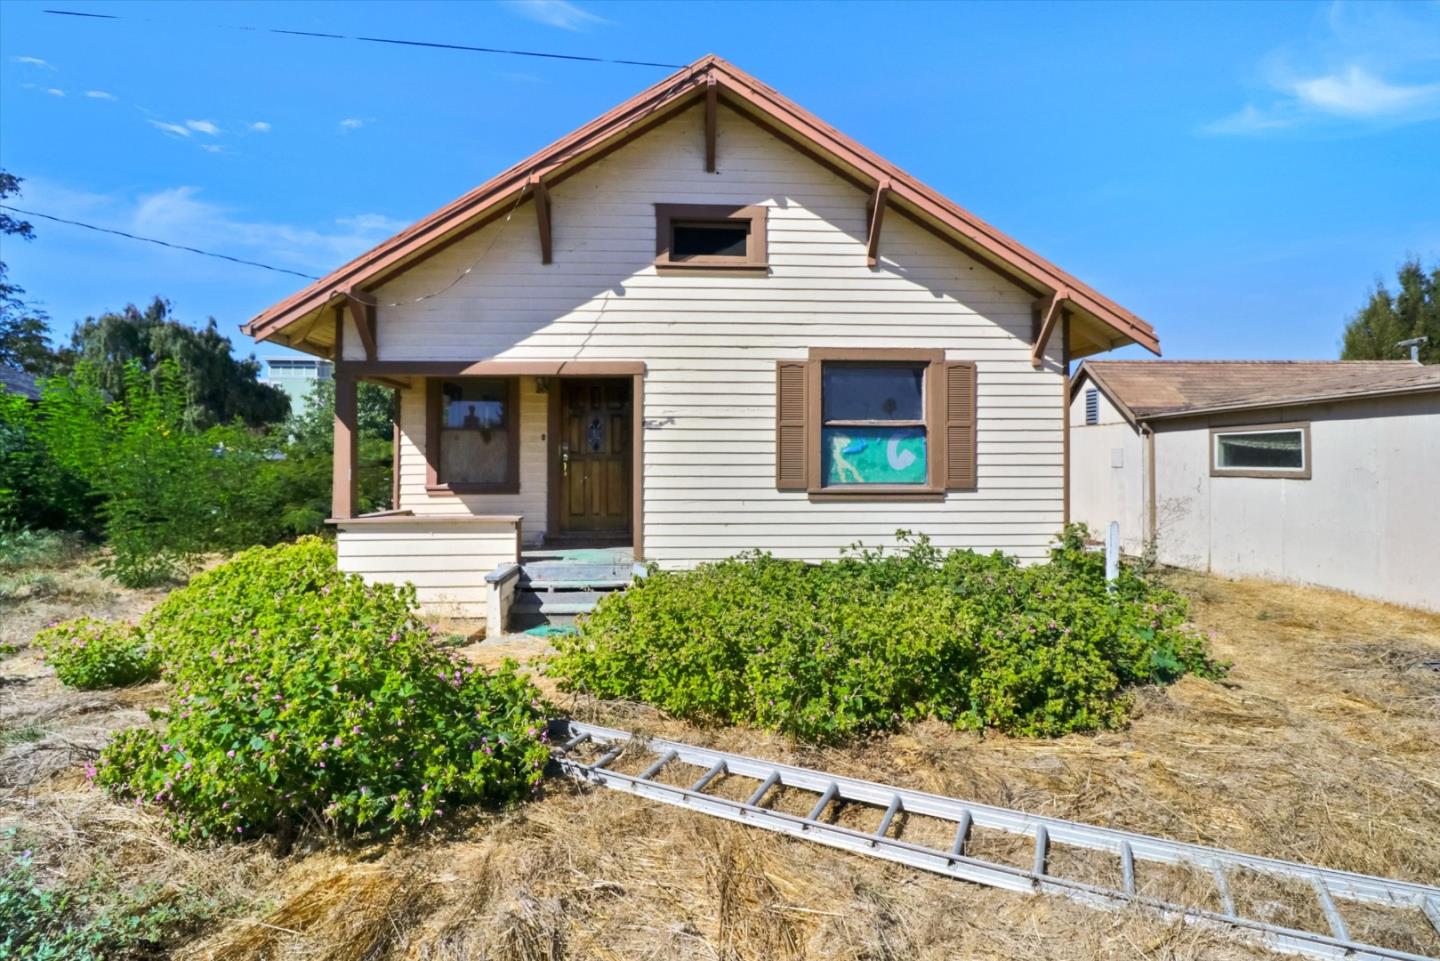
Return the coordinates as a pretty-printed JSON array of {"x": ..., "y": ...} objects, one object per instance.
[{"x": 342, "y": 498}]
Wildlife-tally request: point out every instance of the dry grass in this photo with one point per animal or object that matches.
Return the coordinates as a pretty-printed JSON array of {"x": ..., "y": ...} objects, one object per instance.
[{"x": 1322, "y": 746}]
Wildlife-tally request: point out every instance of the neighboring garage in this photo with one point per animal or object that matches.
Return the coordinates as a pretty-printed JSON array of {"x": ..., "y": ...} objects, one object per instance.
[{"x": 1316, "y": 472}]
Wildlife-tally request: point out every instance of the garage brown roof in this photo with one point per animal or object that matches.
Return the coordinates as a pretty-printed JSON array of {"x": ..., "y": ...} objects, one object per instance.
[
  {"x": 1100, "y": 322},
  {"x": 1155, "y": 389}
]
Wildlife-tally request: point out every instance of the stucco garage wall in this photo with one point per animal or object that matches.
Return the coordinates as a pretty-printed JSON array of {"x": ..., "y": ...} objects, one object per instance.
[
  {"x": 1365, "y": 522},
  {"x": 1107, "y": 473}
]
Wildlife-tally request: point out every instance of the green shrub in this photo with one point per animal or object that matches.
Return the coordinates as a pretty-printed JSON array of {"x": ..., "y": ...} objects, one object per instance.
[
  {"x": 21, "y": 548},
  {"x": 89, "y": 654},
  {"x": 875, "y": 639},
  {"x": 303, "y": 695}
]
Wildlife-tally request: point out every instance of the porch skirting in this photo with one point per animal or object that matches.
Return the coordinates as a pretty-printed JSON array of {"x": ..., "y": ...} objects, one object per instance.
[{"x": 447, "y": 558}]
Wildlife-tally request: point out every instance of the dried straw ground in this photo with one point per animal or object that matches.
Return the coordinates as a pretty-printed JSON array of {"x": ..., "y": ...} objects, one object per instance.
[{"x": 1323, "y": 745}]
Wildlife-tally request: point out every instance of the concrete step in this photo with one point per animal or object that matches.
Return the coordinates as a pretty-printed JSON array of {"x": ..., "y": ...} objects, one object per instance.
[
  {"x": 559, "y": 571},
  {"x": 557, "y": 602},
  {"x": 572, "y": 585}
]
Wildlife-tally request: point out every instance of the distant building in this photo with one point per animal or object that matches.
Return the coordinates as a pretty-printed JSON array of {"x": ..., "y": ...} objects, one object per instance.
[
  {"x": 18, "y": 382},
  {"x": 296, "y": 376}
]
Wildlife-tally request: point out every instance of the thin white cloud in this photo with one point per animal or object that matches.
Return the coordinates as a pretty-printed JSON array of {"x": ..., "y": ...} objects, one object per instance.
[
  {"x": 556, "y": 13},
  {"x": 55, "y": 92},
  {"x": 259, "y": 126},
  {"x": 1369, "y": 66},
  {"x": 212, "y": 148},
  {"x": 32, "y": 62},
  {"x": 174, "y": 129},
  {"x": 354, "y": 123},
  {"x": 100, "y": 95},
  {"x": 1355, "y": 92},
  {"x": 181, "y": 215},
  {"x": 203, "y": 126}
]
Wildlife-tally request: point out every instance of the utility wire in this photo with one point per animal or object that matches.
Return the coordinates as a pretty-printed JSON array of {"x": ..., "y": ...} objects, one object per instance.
[
  {"x": 162, "y": 243},
  {"x": 397, "y": 42}
]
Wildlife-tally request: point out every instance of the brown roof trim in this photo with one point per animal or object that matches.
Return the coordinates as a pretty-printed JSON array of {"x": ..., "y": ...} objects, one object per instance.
[
  {"x": 1086, "y": 372},
  {"x": 1302, "y": 401},
  {"x": 691, "y": 83}
]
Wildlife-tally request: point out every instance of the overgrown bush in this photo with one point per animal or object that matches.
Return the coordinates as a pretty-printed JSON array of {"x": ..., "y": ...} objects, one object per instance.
[
  {"x": 875, "y": 639},
  {"x": 303, "y": 695},
  {"x": 89, "y": 654}
]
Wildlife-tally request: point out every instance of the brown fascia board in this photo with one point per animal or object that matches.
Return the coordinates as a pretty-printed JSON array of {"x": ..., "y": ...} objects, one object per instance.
[{"x": 908, "y": 194}]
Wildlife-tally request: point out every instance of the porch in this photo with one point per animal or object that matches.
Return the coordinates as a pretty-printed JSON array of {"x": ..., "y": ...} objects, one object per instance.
[{"x": 516, "y": 485}]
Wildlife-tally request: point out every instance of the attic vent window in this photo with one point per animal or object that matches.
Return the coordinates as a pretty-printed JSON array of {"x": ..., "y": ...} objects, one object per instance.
[
  {"x": 1092, "y": 406},
  {"x": 709, "y": 237}
]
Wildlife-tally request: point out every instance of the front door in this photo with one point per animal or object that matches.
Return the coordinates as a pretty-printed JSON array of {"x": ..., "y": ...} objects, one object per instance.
[{"x": 594, "y": 453}]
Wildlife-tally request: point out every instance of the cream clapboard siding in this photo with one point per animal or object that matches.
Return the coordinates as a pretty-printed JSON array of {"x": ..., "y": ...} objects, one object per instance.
[
  {"x": 446, "y": 560},
  {"x": 711, "y": 342},
  {"x": 531, "y": 499}
]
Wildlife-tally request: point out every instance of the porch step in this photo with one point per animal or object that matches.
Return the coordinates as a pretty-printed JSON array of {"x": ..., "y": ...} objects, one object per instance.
[
  {"x": 559, "y": 571},
  {"x": 557, "y": 602},
  {"x": 555, "y": 590}
]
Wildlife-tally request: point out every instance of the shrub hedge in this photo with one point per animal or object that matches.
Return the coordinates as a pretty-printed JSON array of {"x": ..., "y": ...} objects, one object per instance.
[
  {"x": 90, "y": 654},
  {"x": 303, "y": 695},
  {"x": 829, "y": 651}
]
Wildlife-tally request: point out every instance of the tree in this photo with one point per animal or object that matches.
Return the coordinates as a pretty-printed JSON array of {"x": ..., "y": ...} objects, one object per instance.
[
  {"x": 313, "y": 429},
  {"x": 218, "y": 388},
  {"x": 1388, "y": 319},
  {"x": 24, "y": 337}
]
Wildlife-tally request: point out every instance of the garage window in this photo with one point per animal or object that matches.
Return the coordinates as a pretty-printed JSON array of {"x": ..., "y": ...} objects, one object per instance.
[{"x": 1278, "y": 450}]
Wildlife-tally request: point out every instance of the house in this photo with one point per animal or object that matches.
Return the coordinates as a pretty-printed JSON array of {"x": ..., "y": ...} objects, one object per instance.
[
  {"x": 705, "y": 322},
  {"x": 1317, "y": 472},
  {"x": 297, "y": 377},
  {"x": 13, "y": 381}
]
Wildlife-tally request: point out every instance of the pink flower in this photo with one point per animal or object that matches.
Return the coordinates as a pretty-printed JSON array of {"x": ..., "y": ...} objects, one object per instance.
[{"x": 229, "y": 753}]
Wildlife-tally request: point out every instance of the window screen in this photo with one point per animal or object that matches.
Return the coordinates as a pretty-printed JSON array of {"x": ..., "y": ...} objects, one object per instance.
[
  {"x": 873, "y": 427},
  {"x": 1092, "y": 406},
  {"x": 1261, "y": 450}
]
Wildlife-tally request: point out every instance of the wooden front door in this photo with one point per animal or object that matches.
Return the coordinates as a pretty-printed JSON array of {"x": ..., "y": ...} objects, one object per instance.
[{"x": 594, "y": 453}]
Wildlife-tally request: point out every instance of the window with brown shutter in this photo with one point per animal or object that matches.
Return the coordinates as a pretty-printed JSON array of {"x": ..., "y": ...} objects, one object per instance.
[{"x": 875, "y": 423}]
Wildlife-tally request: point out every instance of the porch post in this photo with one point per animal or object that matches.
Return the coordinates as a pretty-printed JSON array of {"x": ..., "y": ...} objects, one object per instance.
[{"x": 342, "y": 498}]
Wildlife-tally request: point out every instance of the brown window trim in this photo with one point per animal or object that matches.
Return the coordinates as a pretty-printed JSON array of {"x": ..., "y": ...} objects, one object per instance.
[
  {"x": 1303, "y": 426},
  {"x": 756, "y": 253},
  {"x": 433, "y": 484},
  {"x": 934, "y": 361}
]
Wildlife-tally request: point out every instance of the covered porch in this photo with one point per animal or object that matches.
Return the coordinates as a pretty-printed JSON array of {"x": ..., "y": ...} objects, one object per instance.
[{"x": 497, "y": 466}]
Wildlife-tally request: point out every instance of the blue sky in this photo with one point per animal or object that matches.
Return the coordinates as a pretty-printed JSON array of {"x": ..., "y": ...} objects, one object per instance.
[{"x": 1238, "y": 174}]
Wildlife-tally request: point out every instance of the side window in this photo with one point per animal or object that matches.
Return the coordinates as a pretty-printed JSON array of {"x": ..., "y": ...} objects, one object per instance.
[
  {"x": 472, "y": 441},
  {"x": 1280, "y": 450},
  {"x": 872, "y": 424}
]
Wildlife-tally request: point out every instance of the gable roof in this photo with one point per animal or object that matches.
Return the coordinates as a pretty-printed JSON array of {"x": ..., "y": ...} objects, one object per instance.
[
  {"x": 1157, "y": 389},
  {"x": 14, "y": 381},
  {"x": 1100, "y": 323}
]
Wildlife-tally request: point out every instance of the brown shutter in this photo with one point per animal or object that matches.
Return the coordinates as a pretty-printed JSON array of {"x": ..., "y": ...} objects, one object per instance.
[
  {"x": 790, "y": 453},
  {"x": 959, "y": 411}
]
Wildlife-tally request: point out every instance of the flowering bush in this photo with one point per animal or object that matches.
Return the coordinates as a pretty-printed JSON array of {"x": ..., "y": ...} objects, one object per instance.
[
  {"x": 876, "y": 639},
  {"x": 90, "y": 654},
  {"x": 303, "y": 695}
]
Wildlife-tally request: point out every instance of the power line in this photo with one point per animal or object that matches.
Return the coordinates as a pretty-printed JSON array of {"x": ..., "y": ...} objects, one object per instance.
[
  {"x": 397, "y": 42},
  {"x": 162, "y": 243}
]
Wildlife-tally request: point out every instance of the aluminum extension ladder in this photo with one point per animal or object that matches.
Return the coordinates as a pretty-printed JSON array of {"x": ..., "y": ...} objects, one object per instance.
[{"x": 1133, "y": 850}]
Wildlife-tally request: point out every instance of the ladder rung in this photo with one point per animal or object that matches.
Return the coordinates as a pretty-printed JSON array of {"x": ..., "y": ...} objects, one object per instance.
[
  {"x": 1431, "y": 907},
  {"x": 708, "y": 776},
  {"x": 764, "y": 789},
  {"x": 962, "y": 834},
  {"x": 1222, "y": 884},
  {"x": 884, "y": 827},
  {"x": 1042, "y": 848},
  {"x": 1332, "y": 913},
  {"x": 1127, "y": 866},
  {"x": 824, "y": 802},
  {"x": 654, "y": 769},
  {"x": 574, "y": 742},
  {"x": 608, "y": 756}
]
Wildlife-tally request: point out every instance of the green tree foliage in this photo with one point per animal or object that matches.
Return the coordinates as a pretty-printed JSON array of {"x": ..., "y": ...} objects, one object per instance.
[
  {"x": 155, "y": 478},
  {"x": 832, "y": 651},
  {"x": 1388, "y": 318},
  {"x": 313, "y": 427},
  {"x": 24, "y": 338},
  {"x": 36, "y": 490},
  {"x": 218, "y": 389},
  {"x": 300, "y": 695}
]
